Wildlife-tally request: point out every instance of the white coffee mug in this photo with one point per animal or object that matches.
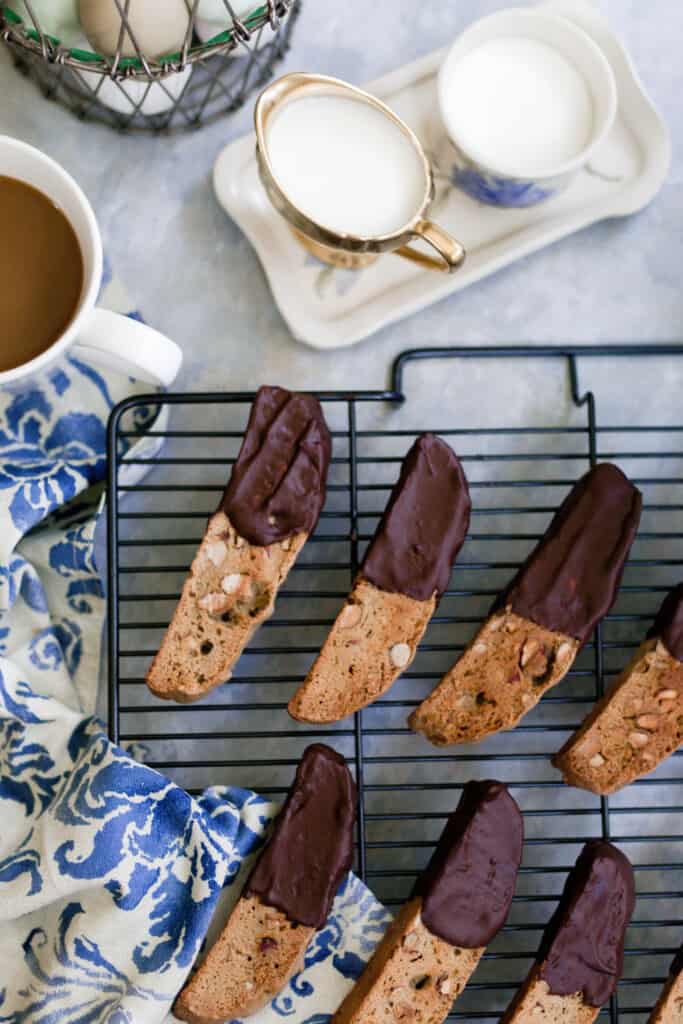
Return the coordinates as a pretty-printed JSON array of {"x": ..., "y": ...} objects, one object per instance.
[{"x": 97, "y": 335}]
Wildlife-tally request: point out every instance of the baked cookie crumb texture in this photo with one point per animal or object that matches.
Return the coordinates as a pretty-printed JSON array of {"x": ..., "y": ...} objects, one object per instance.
[
  {"x": 263, "y": 949},
  {"x": 229, "y": 592},
  {"x": 536, "y": 1004},
  {"x": 373, "y": 640},
  {"x": 413, "y": 976},
  {"x": 633, "y": 729},
  {"x": 503, "y": 673}
]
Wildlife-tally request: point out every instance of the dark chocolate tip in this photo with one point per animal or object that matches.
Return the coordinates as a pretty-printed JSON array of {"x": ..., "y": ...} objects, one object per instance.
[
  {"x": 277, "y": 485},
  {"x": 467, "y": 887},
  {"x": 424, "y": 524},
  {"x": 570, "y": 580},
  {"x": 677, "y": 964},
  {"x": 582, "y": 949},
  {"x": 668, "y": 626},
  {"x": 310, "y": 850}
]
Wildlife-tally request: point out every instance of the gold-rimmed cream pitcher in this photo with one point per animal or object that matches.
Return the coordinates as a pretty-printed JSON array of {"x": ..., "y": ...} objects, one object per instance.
[{"x": 340, "y": 248}]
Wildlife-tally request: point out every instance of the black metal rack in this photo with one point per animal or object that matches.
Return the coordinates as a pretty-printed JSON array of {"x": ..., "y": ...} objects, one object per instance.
[{"x": 242, "y": 735}]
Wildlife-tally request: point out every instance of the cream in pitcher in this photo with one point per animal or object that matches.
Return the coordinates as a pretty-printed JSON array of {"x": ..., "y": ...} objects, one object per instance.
[
  {"x": 345, "y": 165},
  {"x": 350, "y": 177}
]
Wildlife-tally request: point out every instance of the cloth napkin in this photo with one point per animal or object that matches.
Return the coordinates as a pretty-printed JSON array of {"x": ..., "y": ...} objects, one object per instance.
[{"x": 110, "y": 874}]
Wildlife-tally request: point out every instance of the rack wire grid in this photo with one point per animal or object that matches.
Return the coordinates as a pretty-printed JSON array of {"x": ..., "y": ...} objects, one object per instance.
[{"x": 242, "y": 735}]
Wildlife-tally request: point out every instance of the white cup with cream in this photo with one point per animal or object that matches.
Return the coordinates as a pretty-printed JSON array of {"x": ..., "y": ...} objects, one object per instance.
[{"x": 525, "y": 97}]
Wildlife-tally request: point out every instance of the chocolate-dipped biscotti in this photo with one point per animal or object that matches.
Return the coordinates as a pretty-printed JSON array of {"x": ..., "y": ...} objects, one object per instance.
[
  {"x": 460, "y": 902},
  {"x": 581, "y": 956},
  {"x": 543, "y": 618},
  {"x": 639, "y": 723},
  {"x": 271, "y": 505},
  {"x": 404, "y": 573},
  {"x": 669, "y": 1007},
  {"x": 287, "y": 898}
]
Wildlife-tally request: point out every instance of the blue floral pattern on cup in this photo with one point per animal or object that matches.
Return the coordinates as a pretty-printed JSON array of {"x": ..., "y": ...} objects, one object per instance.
[{"x": 487, "y": 188}]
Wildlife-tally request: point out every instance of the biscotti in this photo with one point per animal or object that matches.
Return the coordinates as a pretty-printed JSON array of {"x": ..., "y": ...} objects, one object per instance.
[
  {"x": 459, "y": 904},
  {"x": 264, "y": 949},
  {"x": 639, "y": 723},
  {"x": 581, "y": 955},
  {"x": 543, "y": 618},
  {"x": 269, "y": 508},
  {"x": 404, "y": 573},
  {"x": 287, "y": 897},
  {"x": 669, "y": 1007}
]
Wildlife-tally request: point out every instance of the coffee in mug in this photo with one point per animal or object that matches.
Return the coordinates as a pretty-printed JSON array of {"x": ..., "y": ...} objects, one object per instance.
[
  {"x": 51, "y": 265},
  {"x": 41, "y": 273}
]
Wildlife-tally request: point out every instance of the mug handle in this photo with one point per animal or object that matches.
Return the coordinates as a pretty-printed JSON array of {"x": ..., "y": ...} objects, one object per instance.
[
  {"x": 119, "y": 343},
  {"x": 451, "y": 252}
]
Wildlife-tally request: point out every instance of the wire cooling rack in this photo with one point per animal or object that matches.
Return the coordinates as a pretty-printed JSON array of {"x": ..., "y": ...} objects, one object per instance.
[{"x": 518, "y": 475}]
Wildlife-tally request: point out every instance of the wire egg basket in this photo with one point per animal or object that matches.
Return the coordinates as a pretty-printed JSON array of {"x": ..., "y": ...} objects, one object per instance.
[{"x": 208, "y": 76}]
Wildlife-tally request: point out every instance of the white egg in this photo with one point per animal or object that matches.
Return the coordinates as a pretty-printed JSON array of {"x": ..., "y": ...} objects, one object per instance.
[
  {"x": 213, "y": 16},
  {"x": 159, "y": 28},
  {"x": 57, "y": 18},
  {"x": 125, "y": 96}
]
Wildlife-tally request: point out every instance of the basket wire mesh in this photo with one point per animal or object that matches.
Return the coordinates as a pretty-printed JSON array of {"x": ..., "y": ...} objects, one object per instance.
[
  {"x": 199, "y": 83},
  {"x": 242, "y": 735}
]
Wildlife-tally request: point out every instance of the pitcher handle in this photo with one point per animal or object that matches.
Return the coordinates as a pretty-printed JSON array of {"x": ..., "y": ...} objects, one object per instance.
[{"x": 451, "y": 251}]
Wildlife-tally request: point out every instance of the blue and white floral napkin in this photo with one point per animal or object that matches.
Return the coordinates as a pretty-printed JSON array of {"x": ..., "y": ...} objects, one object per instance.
[{"x": 109, "y": 873}]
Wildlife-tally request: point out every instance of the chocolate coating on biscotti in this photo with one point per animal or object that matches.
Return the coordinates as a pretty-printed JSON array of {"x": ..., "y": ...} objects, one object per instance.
[
  {"x": 582, "y": 949},
  {"x": 677, "y": 963},
  {"x": 570, "y": 580},
  {"x": 311, "y": 847},
  {"x": 277, "y": 486},
  {"x": 668, "y": 625},
  {"x": 468, "y": 885},
  {"x": 424, "y": 524}
]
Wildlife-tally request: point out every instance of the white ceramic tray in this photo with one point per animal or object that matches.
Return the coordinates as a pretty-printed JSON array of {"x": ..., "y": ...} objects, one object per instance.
[{"x": 330, "y": 308}]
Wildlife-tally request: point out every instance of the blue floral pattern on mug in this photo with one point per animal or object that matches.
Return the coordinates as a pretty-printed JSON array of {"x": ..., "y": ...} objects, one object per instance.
[{"x": 109, "y": 872}]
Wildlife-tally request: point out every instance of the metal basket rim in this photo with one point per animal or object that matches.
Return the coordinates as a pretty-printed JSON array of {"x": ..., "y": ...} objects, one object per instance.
[{"x": 16, "y": 32}]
